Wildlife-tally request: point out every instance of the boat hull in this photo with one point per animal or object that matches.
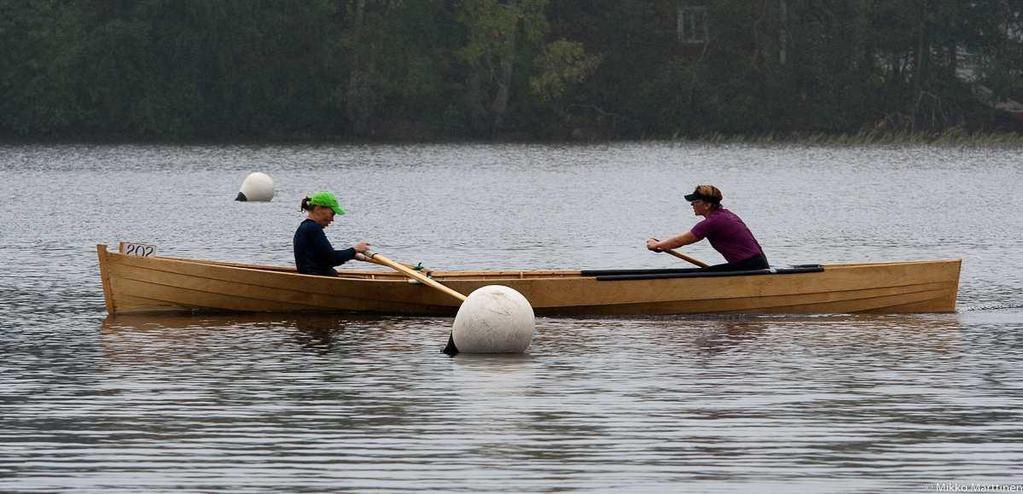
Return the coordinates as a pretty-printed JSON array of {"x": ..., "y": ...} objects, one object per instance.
[{"x": 153, "y": 284}]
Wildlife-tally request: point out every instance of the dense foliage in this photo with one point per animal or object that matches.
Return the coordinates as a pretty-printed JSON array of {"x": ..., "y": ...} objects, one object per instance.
[{"x": 423, "y": 69}]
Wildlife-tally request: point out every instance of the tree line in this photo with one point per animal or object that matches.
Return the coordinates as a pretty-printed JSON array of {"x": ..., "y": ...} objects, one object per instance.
[{"x": 484, "y": 69}]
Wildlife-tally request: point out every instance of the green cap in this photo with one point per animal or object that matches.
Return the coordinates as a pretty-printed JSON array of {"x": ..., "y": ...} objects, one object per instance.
[{"x": 327, "y": 200}]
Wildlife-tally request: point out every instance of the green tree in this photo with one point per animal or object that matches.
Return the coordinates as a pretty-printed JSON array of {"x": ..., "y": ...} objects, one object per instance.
[
  {"x": 41, "y": 40},
  {"x": 501, "y": 35}
]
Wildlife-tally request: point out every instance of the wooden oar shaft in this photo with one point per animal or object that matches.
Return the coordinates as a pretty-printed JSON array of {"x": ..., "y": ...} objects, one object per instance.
[
  {"x": 685, "y": 257},
  {"x": 411, "y": 273}
]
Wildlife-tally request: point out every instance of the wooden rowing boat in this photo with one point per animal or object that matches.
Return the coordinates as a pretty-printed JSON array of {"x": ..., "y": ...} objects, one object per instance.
[{"x": 149, "y": 284}]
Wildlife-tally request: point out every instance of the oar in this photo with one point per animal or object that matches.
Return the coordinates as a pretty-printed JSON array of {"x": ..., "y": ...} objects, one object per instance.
[
  {"x": 419, "y": 268},
  {"x": 685, "y": 257},
  {"x": 411, "y": 273},
  {"x": 377, "y": 258}
]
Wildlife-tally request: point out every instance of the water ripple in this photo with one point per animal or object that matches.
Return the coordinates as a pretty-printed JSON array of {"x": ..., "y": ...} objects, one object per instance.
[{"x": 271, "y": 403}]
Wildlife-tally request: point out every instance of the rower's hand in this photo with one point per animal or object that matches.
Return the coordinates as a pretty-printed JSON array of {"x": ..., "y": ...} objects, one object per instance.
[
  {"x": 651, "y": 244},
  {"x": 361, "y": 247}
]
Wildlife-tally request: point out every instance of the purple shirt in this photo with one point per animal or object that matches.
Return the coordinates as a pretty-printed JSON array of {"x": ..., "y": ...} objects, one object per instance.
[{"x": 728, "y": 235}]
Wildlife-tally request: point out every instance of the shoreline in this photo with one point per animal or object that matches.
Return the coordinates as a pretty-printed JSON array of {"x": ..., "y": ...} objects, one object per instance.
[{"x": 948, "y": 138}]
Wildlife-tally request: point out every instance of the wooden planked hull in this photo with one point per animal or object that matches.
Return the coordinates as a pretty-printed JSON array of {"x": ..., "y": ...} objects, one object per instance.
[{"x": 150, "y": 284}]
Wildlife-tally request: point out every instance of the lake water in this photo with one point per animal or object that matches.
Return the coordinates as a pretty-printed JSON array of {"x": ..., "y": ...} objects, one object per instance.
[{"x": 278, "y": 403}]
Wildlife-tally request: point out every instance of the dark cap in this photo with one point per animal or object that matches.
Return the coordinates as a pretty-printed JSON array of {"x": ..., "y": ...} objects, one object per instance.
[
  {"x": 696, "y": 196},
  {"x": 705, "y": 193}
]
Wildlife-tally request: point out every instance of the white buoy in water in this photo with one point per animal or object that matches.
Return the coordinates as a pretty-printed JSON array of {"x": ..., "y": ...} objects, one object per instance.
[
  {"x": 494, "y": 319},
  {"x": 256, "y": 187}
]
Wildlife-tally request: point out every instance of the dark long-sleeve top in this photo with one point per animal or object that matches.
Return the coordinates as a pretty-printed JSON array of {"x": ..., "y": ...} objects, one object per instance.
[{"x": 313, "y": 252}]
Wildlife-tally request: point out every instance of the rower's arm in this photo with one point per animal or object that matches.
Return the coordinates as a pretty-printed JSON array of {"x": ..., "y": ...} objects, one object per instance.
[{"x": 677, "y": 241}]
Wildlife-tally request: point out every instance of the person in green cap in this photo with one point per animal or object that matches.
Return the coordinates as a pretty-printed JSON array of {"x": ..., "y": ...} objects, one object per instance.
[{"x": 313, "y": 252}]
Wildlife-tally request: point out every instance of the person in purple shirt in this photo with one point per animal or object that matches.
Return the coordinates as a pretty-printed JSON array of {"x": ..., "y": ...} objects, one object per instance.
[
  {"x": 313, "y": 252},
  {"x": 722, "y": 228}
]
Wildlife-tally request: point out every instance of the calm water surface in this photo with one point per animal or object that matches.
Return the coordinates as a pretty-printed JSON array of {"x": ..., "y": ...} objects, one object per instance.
[{"x": 286, "y": 403}]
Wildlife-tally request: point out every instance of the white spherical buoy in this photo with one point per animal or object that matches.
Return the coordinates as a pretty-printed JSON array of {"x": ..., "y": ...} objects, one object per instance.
[
  {"x": 256, "y": 187},
  {"x": 494, "y": 319}
]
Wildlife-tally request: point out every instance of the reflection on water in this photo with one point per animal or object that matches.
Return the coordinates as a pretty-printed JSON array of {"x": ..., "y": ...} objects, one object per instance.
[
  {"x": 313, "y": 331},
  {"x": 169, "y": 334},
  {"x": 353, "y": 403},
  {"x": 341, "y": 403}
]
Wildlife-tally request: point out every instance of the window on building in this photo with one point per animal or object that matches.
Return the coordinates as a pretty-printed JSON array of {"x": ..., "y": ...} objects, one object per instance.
[{"x": 692, "y": 24}]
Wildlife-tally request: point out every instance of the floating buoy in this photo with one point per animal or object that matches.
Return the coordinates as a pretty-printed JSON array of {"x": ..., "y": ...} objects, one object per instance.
[
  {"x": 494, "y": 319},
  {"x": 256, "y": 187}
]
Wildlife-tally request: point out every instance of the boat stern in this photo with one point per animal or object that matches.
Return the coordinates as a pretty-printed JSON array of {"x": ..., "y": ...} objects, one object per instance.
[{"x": 104, "y": 274}]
